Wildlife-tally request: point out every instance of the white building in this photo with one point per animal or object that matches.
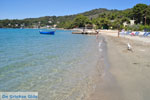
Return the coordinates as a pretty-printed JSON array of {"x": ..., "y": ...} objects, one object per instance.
[{"x": 131, "y": 23}]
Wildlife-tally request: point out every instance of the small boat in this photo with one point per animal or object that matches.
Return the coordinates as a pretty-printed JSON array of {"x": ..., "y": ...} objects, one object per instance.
[{"x": 48, "y": 32}]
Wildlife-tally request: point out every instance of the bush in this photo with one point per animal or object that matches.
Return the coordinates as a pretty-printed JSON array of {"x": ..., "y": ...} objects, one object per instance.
[{"x": 138, "y": 27}]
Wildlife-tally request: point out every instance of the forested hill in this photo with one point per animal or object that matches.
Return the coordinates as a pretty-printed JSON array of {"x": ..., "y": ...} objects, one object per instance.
[
  {"x": 95, "y": 12},
  {"x": 100, "y": 18},
  {"x": 50, "y": 20}
]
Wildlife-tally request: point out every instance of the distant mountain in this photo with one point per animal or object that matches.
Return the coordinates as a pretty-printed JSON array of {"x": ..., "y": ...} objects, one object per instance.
[
  {"x": 91, "y": 14},
  {"x": 49, "y": 20},
  {"x": 140, "y": 13}
]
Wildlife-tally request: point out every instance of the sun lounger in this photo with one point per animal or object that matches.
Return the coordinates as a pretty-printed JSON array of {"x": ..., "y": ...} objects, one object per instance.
[
  {"x": 147, "y": 34},
  {"x": 128, "y": 32},
  {"x": 137, "y": 33},
  {"x": 122, "y": 33},
  {"x": 132, "y": 34}
]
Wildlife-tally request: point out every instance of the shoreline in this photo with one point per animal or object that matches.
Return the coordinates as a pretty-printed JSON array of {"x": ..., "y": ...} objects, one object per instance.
[
  {"x": 127, "y": 78},
  {"x": 107, "y": 87}
]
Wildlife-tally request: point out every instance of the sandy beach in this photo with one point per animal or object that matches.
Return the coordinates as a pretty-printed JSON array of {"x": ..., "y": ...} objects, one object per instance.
[{"x": 127, "y": 74}]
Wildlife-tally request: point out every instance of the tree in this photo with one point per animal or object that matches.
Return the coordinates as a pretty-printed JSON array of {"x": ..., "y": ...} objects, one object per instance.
[
  {"x": 139, "y": 12},
  {"x": 124, "y": 19},
  {"x": 116, "y": 24},
  {"x": 103, "y": 23},
  {"x": 81, "y": 21},
  {"x": 147, "y": 15}
]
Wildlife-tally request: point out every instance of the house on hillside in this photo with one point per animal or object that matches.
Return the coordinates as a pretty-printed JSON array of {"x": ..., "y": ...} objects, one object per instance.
[{"x": 132, "y": 22}]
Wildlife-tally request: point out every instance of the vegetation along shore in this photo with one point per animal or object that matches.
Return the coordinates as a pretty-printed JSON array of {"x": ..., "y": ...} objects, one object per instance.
[{"x": 136, "y": 18}]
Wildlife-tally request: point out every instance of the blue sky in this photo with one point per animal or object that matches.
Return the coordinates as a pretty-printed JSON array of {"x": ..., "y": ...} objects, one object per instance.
[{"x": 19, "y": 9}]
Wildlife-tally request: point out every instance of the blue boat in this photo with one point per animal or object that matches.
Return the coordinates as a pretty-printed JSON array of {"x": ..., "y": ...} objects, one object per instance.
[{"x": 48, "y": 33}]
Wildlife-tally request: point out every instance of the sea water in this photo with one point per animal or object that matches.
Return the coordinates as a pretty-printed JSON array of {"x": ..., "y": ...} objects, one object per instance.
[{"x": 59, "y": 67}]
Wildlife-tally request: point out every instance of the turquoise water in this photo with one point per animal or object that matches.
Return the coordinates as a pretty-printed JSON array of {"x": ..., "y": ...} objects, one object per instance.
[{"x": 58, "y": 67}]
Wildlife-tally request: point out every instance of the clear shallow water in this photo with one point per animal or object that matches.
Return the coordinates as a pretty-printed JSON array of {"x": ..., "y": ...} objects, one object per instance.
[{"x": 59, "y": 67}]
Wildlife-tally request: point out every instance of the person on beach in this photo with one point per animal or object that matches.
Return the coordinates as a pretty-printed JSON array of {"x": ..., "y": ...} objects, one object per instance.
[
  {"x": 96, "y": 36},
  {"x": 118, "y": 33}
]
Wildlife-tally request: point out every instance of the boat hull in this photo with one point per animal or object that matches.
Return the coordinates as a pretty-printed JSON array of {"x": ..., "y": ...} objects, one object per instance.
[{"x": 48, "y": 33}]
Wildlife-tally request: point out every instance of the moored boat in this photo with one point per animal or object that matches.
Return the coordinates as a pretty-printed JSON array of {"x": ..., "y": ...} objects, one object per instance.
[{"x": 48, "y": 32}]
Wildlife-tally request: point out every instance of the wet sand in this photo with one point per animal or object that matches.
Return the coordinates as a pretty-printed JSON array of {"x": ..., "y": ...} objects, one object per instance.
[{"x": 127, "y": 73}]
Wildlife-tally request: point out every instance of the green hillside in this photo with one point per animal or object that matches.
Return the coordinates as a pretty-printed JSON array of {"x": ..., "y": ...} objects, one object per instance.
[
  {"x": 102, "y": 18},
  {"x": 48, "y": 20}
]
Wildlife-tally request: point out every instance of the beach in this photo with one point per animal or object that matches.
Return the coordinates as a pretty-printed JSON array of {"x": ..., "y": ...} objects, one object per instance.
[
  {"x": 75, "y": 50},
  {"x": 67, "y": 66},
  {"x": 127, "y": 74}
]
